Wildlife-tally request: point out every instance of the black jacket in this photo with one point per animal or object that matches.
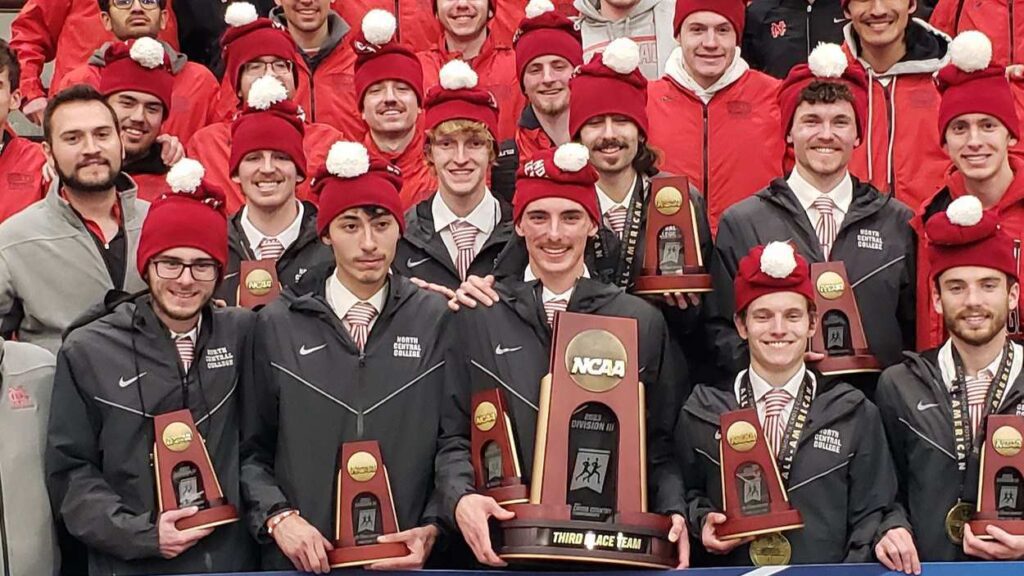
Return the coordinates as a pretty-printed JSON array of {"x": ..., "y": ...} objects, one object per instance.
[
  {"x": 917, "y": 412},
  {"x": 508, "y": 346},
  {"x": 422, "y": 254},
  {"x": 310, "y": 389},
  {"x": 779, "y": 34},
  {"x": 200, "y": 26},
  {"x": 842, "y": 479},
  {"x": 875, "y": 242},
  {"x": 113, "y": 375},
  {"x": 306, "y": 253}
]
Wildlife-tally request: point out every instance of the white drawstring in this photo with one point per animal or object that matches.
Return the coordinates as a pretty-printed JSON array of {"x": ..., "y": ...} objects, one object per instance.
[
  {"x": 871, "y": 123},
  {"x": 892, "y": 137}
]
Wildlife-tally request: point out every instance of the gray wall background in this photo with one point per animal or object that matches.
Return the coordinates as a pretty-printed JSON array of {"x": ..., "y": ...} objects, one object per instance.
[{"x": 20, "y": 124}]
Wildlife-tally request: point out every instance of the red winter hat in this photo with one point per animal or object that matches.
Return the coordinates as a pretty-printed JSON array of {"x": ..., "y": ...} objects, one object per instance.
[
  {"x": 611, "y": 83},
  {"x": 827, "y": 63},
  {"x": 192, "y": 215},
  {"x": 140, "y": 65},
  {"x": 775, "y": 267},
  {"x": 270, "y": 121},
  {"x": 735, "y": 11},
  {"x": 351, "y": 179},
  {"x": 563, "y": 172},
  {"x": 545, "y": 32},
  {"x": 378, "y": 58},
  {"x": 970, "y": 84},
  {"x": 249, "y": 37},
  {"x": 458, "y": 98},
  {"x": 967, "y": 235}
]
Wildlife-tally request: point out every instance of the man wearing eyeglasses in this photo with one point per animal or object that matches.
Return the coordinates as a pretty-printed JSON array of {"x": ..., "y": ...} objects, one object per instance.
[
  {"x": 66, "y": 32},
  {"x": 158, "y": 352}
]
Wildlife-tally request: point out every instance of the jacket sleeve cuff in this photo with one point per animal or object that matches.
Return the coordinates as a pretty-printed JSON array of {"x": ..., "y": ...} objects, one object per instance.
[{"x": 894, "y": 518}]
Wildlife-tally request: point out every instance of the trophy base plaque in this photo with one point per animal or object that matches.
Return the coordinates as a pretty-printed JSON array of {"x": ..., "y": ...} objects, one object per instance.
[
  {"x": 507, "y": 495},
  {"x": 543, "y": 533},
  {"x": 743, "y": 527},
  {"x": 352, "y": 556},
  {"x": 857, "y": 363},
  {"x": 209, "y": 518},
  {"x": 979, "y": 524},
  {"x": 690, "y": 283}
]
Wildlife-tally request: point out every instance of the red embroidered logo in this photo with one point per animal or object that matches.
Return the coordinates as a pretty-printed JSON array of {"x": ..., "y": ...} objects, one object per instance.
[
  {"x": 778, "y": 29},
  {"x": 19, "y": 398}
]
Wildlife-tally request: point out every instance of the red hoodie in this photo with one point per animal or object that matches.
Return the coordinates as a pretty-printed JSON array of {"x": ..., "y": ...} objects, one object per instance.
[
  {"x": 21, "y": 174},
  {"x": 66, "y": 31},
  {"x": 1002, "y": 22}
]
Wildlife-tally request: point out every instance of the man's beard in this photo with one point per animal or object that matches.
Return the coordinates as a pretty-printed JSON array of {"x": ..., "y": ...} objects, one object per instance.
[
  {"x": 551, "y": 109},
  {"x": 73, "y": 183},
  {"x": 998, "y": 322}
]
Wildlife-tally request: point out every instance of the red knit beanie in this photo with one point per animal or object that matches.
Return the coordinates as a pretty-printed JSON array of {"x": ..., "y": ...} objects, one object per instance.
[
  {"x": 611, "y": 83},
  {"x": 378, "y": 58},
  {"x": 192, "y": 215},
  {"x": 774, "y": 267},
  {"x": 545, "y": 32},
  {"x": 270, "y": 121},
  {"x": 971, "y": 84},
  {"x": 140, "y": 65},
  {"x": 735, "y": 11},
  {"x": 967, "y": 235},
  {"x": 458, "y": 98},
  {"x": 351, "y": 179},
  {"x": 249, "y": 37},
  {"x": 827, "y": 63},
  {"x": 563, "y": 172}
]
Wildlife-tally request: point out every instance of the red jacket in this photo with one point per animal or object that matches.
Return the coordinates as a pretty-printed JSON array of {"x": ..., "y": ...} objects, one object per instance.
[
  {"x": 930, "y": 329},
  {"x": 212, "y": 147},
  {"x": 729, "y": 148},
  {"x": 496, "y": 67},
  {"x": 1002, "y": 22},
  {"x": 417, "y": 25},
  {"x": 530, "y": 136},
  {"x": 418, "y": 180},
  {"x": 21, "y": 174},
  {"x": 194, "y": 98},
  {"x": 67, "y": 31},
  {"x": 151, "y": 186},
  {"x": 901, "y": 153}
]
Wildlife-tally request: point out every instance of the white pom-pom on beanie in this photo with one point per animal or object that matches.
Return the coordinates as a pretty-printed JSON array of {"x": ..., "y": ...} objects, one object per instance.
[
  {"x": 458, "y": 75},
  {"x": 970, "y": 51},
  {"x": 348, "y": 159},
  {"x": 240, "y": 14},
  {"x": 965, "y": 211},
  {"x": 778, "y": 260},
  {"x": 621, "y": 55},
  {"x": 186, "y": 175},
  {"x": 537, "y": 7},
  {"x": 571, "y": 157},
  {"x": 379, "y": 26},
  {"x": 827, "y": 61},
  {"x": 265, "y": 92},
  {"x": 147, "y": 52}
]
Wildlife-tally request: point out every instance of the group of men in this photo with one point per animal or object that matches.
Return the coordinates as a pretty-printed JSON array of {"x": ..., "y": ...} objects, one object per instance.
[{"x": 430, "y": 210}]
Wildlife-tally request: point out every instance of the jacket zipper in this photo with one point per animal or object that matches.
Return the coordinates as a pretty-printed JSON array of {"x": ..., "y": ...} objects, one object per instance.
[
  {"x": 890, "y": 171},
  {"x": 3, "y": 531},
  {"x": 704, "y": 112},
  {"x": 359, "y": 387}
]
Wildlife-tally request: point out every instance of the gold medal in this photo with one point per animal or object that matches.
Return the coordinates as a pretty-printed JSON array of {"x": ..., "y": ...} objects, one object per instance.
[
  {"x": 957, "y": 516},
  {"x": 770, "y": 550}
]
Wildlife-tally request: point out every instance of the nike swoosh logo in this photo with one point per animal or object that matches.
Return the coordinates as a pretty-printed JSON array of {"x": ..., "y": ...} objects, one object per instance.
[
  {"x": 838, "y": 20},
  {"x": 126, "y": 383},
  {"x": 921, "y": 406},
  {"x": 410, "y": 263},
  {"x": 303, "y": 351},
  {"x": 502, "y": 351},
  {"x": 232, "y": 275}
]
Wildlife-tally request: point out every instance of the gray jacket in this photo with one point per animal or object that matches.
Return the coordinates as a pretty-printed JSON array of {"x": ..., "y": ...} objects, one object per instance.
[
  {"x": 649, "y": 24},
  {"x": 51, "y": 268},
  {"x": 27, "y": 543}
]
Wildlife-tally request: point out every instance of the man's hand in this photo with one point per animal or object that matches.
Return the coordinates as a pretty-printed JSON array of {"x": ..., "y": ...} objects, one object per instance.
[
  {"x": 471, "y": 515},
  {"x": 419, "y": 541},
  {"x": 812, "y": 357},
  {"x": 896, "y": 551},
  {"x": 171, "y": 149},
  {"x": 475, "y": 289},
  {"x": 1005, "y": 546},
  {"x": 709, "y": 536},
  {"x": 681, "y": 537},
  {"x": 34, "y": 109},
  {"x": 303, "y": 544},
  {"x": 173, "y": 541},
  {"x": 445, "y": 291},
  {"x": 49, "y": 174},
  {"x": 681, "y": 300}
]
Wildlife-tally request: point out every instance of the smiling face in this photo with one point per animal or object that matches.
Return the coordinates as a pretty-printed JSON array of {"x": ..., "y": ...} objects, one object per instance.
[
  {"x": 823, "y": 137},
  {"x": 556, "y": 232},
  {"x": 880, "y": 23},
  {"x": 463, "y": 19},
  {"x": 776, "y": 327},
  {"x": 613, "y": 141},
  {"x": 267, "y": 178},
  {"x": 461, "y": 153},
  {"x": 390, "y": 107},
  {"x": 975, "y": 302},
  {"x": 180, "y": 299},
  {"x": 709, "y": 43},
  {"x": 305, "y": 15},
  {"x": 140, "y": 116},
  {"x": 363, "y": 241},
  {"x": 83, "y": 146},
  {"x": 546, "y": 84},
  {"x": 978, "y": 145}
]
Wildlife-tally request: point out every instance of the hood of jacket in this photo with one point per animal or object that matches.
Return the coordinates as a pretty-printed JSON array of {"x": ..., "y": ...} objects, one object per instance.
[
  {"x": 337, "y": 29},
  {"x": 675, "y": 70},
  {"x": 590, "y": 10},
  {"x": 178, "y": 60},
  {"x": 927, "y": 50}
]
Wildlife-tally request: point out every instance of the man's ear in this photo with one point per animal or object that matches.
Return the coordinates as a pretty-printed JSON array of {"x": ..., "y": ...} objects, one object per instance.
[
  {"x": 741, "y": 325},
  {"x": 107, "y": 24}
]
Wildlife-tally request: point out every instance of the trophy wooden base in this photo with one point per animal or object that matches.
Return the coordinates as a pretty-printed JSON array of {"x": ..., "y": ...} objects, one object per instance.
[
  {"x": 209, "y": 518},
  {"x": 980, "y": 523},
  {"x": 855, "y": 363},
  {"x": 691, "y": 283},
  {"x": 506, "y": 495},
  {"x": 742, "y": 527},
  {"x": 352, "y": 556},
  {"x": 542, "y": 534}
]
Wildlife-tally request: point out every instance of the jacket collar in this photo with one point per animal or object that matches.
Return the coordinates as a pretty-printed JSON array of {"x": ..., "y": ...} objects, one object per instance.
[
  {"x": 178, "y": 60},
  {"x": 927, "y": 50},
  {"x": 487, "y": 50},
  {"x": 310, "y": 297},
  {"x": 675, "y": 71},
  {"x": 337, "y": 29},
  {"x": 238, "y": 242},
  {"x": 419, "y": 231},
  {"x": 127, "y": 193}
]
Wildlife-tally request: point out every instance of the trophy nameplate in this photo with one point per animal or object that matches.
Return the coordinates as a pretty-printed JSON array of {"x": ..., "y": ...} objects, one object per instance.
[
  {"x": 185, "y": 475},
  {"x": 840, "y": 334},
  {"x": 588, "y": 488},
  {"x": 1001, "y": 483},
  {"x": 672, "y": 258},
  {"x": 754, "y": 500},
  {"x": 257, "y": 283},
  {"x": 495, "y": 458}
]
